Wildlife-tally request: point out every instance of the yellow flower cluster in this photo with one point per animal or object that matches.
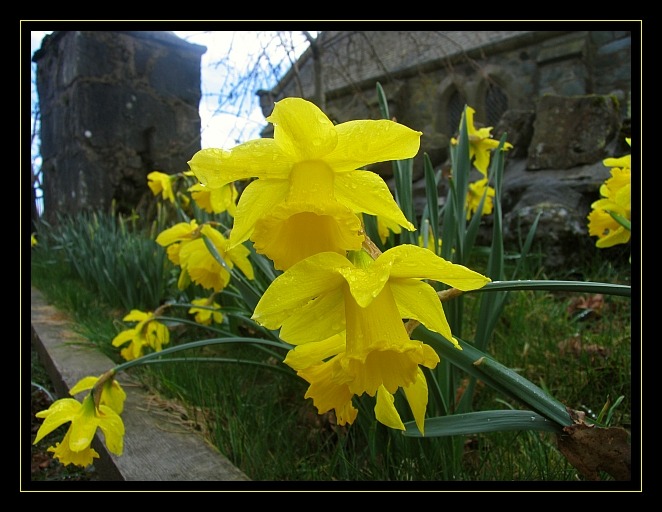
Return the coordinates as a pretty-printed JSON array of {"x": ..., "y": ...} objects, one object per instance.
[
  {"x": 481, "y": 145},
  {"x": 148, "y": 332},
  {"x": 218, "y": 200},
  {"x": 187, "y": 247},
  {"x": 341, "y": 307},
  {"x": 610, "y": 215}
]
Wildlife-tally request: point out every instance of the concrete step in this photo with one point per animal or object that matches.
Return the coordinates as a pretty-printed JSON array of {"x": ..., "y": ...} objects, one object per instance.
[{"x": 156, "y": 447}]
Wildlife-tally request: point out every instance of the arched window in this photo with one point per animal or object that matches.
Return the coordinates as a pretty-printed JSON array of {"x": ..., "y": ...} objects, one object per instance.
[
  {"x": 455, "y": 108},
  {"x": 496, "y": 103}
]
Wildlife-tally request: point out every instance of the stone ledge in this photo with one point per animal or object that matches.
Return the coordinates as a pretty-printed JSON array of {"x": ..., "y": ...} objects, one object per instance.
[{"x": 153, "y": 449}]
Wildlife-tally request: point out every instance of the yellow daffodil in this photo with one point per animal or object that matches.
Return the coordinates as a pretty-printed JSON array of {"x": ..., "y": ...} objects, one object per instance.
[
  {"x": 187, "y": 248},
  {"x": 481, "y": 143},
  {"x": 326, "y": 294},
  {"x": 215, "y": 200},
  {"x": 161, "y": 183},
  {"x": 112, "y": 393},
  {"x": 148, "y": 332},
  {"x": 309, "y": 185},
  {"x": 85, "y": 418},
  {"x": 206, "y": 311},
  {"x": 475, "y": 194},
  {"x": 615, "y": 199}
]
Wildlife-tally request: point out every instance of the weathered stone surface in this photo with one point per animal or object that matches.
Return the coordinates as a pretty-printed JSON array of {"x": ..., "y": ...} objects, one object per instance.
[
  {"x": 570, "y": 131},
  {"x": 561, "y": 196},
  {"x": 115, "y": 106},
  {"x": 518, "y": 127}
]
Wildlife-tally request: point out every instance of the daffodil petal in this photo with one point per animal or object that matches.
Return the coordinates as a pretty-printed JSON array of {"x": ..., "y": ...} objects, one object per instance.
[
  {"x": 385, "y": 410},
  {"x": 123, "y": 337},
  {"x": 302, "y": 129},
  {"x": 60, "y": 412},
  {"x": 417, "y": 396},
  {"x": 136, "y": 315},
  {"x": 112, "y": 427},
  {"x": 257, "y": 199},
  {"x": 365, "y": 285},
  {"x": 239, "y": 255},
  {"x": 364, "y": 142},
  {"x": 82, "y": 434},
  {"x": 623, "y": 161},
  {"x": 317, "y": 320},
  {"x": 418, "y": 301},
  {"x": 83, "y": 384},
  {"x": 417, "y": 262},
  {"x": 310, "y": 354},
  {"x": 114, "y": 396},
  {"x": 366, "y": 192},
  {"x": 619, "y": 235},
  {"x": 177, "y": 233},
  {"x": 294, "y": 288},
  {"x": 260, "y": 158},
  {"x": 328, "y": 391}
]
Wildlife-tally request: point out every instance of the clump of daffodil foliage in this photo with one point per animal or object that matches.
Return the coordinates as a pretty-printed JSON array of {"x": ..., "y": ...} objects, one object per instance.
[{"x": 353, "y": 319}]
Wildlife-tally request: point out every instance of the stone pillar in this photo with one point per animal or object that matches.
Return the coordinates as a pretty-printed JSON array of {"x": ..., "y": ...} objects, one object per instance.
[{"x": 114, "y": 107}]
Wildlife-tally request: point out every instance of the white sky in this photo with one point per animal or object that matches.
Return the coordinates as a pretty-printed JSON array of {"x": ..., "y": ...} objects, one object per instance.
[{"x": 239, "y": 48}]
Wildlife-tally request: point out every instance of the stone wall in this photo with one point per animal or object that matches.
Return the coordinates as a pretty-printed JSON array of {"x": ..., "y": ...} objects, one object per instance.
[
  {"x": 429, "y": 76},
  {"x": 562, "y": 97},
  {"x": 114, "y": 107}
]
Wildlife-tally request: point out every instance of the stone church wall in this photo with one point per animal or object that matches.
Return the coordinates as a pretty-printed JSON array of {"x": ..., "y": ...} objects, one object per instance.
[
  {"x": 429, "y": 76},
  {"x": 563, "y": 98}
]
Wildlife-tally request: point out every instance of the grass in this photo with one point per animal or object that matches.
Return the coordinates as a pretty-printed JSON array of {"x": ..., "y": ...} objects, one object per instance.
[{"x": 577, "y": 348}]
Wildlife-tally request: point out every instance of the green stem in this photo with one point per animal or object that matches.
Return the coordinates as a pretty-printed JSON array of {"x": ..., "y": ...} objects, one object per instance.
[
  {"x": 285, "y": 370},
  {"x": 197, "y": 344},
  {"x": 557, "y": 286}
]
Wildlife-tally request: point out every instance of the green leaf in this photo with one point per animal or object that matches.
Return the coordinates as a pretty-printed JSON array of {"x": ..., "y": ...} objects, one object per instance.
[
  {"x": 621, "y": 220},
  {"x": 432, "y": 196},
  {"x": 557, "y": 286},
  {"x": 383, "y": 103},
  {"x": 482, "y": 421}
]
